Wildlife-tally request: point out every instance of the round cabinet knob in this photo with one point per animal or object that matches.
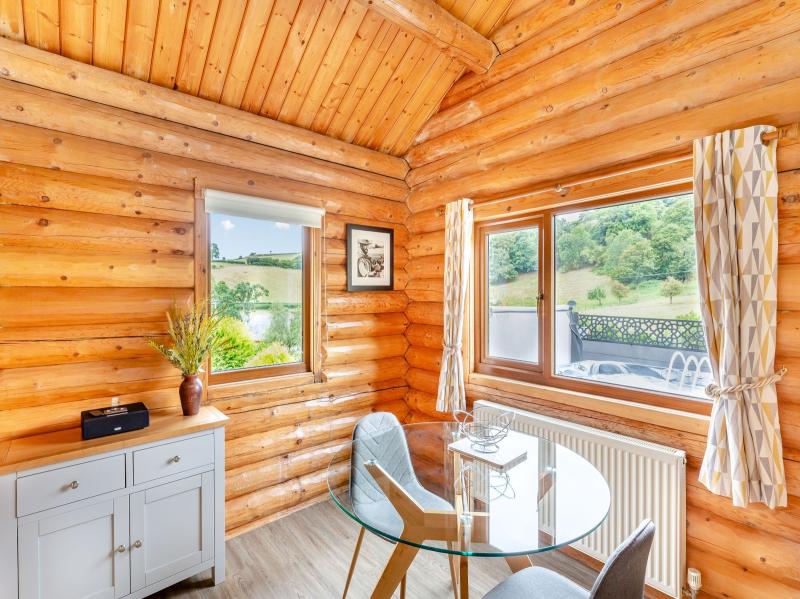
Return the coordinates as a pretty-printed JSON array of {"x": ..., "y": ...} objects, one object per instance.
[
  {"x": 121, "y": 549},
  {"x": 137, "y": 544},
  {"x": 176, "y": 459},
  {"x": 74, "y": 484}
]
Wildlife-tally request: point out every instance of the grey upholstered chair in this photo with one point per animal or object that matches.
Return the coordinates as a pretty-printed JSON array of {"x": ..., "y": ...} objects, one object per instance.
[
  {"x": 380, "y": 437},
  {"x": 622, "y": 577}
]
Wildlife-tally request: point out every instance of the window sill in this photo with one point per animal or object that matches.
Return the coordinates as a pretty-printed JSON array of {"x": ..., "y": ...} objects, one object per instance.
[
  {"x": 218, "y": 391},
  {"x": 666, "y": 417}
]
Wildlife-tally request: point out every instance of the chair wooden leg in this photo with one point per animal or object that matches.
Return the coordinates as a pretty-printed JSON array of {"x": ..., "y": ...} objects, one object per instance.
[
  {"x": 453, "y": 559},
  {"x": 353, "y": 561},
  {"x": 463, "y": 576},
  {"x": 395, "y": 570},
  {"x": 403, "y": 587}
]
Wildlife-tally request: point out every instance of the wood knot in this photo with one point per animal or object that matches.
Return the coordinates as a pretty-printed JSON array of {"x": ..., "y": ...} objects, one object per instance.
[
  {"x": 63, "y": 277},
  {"x": 110, "y": 267},
  {"x": 180, "y": 231},
  {"x": 251, "y": 182},
  {"x": 57, "y": 140},
  {"x": 20, "y": 107},
  {"x": 44, "y": 198},
  {"x": 43, "y": 222},
  {"x": 72, "y": 75},
  {"x": 4, "y": 72},
  {"x": 791, "y": 198},
  {"x": 138, "y": 194}
]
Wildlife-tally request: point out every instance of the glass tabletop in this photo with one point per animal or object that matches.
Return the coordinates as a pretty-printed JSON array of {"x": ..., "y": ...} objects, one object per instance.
[{"x": 427, "y": 486}]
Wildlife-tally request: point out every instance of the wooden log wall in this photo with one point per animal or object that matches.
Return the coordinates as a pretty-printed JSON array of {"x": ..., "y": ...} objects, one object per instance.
[
  {"x": 584, "y": 90},
  {"x": 97, "y": 227}
]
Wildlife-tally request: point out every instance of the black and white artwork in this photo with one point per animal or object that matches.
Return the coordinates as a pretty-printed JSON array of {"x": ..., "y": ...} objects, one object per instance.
[{"x": 370, "y": 258}]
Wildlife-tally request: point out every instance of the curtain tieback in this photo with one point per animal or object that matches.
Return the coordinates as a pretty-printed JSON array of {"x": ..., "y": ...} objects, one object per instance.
[
  {"x": 715, "y": 391},
  {"x": 451, "y": 350}
]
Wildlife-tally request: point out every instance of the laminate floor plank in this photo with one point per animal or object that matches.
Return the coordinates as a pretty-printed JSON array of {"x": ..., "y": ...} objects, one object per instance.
[{"x": 306, "y": 556}]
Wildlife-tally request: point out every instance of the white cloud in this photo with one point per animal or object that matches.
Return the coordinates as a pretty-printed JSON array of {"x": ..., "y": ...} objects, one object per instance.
[
  {"x": 281, "y": 226},
  {"x": 227, "y": 225}
]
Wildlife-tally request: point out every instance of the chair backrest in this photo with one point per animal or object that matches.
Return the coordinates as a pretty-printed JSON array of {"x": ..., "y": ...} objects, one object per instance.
[
  {"x": 623, "y": 575},
  {"x": 380, "y": 437}
]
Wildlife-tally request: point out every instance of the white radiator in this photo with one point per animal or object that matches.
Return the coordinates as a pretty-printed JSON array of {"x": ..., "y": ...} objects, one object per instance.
[{"x": 646, "y": 481}]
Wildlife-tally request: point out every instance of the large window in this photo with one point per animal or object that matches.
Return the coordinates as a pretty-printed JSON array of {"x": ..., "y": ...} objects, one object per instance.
[
  {"x": 260, "y": 282},
  {"x": 623, "y": 314},
  {"x": 627, "y": 305}
]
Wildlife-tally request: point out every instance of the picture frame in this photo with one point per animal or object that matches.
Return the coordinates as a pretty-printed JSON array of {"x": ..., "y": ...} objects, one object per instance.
[{"x": 370, "y": 258}]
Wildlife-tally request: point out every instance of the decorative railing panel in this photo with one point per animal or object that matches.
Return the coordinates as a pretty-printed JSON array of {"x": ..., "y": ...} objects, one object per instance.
[{"x": 652, "y": 332}]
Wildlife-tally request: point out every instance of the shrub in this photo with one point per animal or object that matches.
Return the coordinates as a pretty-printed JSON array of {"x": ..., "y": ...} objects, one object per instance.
[
  {"x": 688, "y": 316},
  {"x": 237, "y": 346},
  {"x": 273, "y": 354},
  {"x": 596, "y": 294}
]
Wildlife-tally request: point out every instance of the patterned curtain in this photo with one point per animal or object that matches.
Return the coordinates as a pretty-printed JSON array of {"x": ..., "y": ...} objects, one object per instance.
[
  {"x": 457, "y": 254},
  {"x": 735, "y": 207}
]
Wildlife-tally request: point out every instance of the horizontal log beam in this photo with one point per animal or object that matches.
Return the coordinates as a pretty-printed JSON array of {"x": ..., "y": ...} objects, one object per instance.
[
  {"x": 430, "y": 22},
  {"x": 33, "y": 106},
  {"x": 26, "y": 64},
  {"x": 672, "y": 133}
]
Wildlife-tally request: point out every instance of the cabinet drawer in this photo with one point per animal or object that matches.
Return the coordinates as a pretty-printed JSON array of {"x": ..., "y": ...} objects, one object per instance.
[
  {"x": 171, "y": 458},
  {"x": 45, "y": 490}
]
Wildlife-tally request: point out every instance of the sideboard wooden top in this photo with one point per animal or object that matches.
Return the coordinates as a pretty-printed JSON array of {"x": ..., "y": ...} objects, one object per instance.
[{"x": 49, "y": 448}]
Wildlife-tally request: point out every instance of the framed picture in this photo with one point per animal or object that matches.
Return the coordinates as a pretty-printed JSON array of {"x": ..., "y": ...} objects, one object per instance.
[{"x": 370, "y": 258}]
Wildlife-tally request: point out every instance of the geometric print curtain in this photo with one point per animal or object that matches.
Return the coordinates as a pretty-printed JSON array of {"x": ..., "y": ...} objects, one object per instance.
[
  {"x": 736, "y": 225},
  {"x": 457, "y": 253}
]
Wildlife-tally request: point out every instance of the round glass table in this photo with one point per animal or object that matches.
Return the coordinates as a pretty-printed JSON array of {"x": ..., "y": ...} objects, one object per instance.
[{"x": 427, "y": 487}]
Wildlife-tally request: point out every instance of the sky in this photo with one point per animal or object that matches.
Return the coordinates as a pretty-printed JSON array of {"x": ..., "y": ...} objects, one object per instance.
[{"x": 237, "y": 236}]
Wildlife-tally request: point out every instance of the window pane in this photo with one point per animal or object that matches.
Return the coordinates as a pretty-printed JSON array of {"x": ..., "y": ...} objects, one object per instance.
[
  {"x": 513, "y": 280},
  {"x": 257, "y": 283},
  {"x": 627, "y": 305}
]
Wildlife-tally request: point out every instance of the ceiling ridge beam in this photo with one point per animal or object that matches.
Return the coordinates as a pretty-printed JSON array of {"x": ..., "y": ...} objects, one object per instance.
[
  {"x": 430, "y": 22},
  {"x": 25, "y": 64}
]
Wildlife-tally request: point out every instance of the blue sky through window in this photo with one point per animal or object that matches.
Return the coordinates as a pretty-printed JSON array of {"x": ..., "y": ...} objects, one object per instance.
[{"x": 238, "y": 236}]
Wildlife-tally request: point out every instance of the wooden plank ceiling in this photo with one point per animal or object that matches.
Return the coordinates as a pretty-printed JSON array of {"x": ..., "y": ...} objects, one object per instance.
[{"x": 332, "y": 66}]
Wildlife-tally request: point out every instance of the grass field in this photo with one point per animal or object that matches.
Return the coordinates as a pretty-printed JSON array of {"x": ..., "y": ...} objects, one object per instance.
[
  {"x": 284, "y": 284},
  {"x": 645, "y": 300}
]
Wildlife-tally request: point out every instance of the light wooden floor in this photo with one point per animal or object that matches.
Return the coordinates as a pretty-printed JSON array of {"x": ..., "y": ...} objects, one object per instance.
[{"x": 306, "y": 555}]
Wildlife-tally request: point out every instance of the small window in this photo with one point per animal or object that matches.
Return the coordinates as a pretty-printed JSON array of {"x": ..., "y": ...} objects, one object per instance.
[
  {"x": 626, "y": 307},
  {"x": 257, "y": 284},
  {"x": 510, "y": 293},
  {"x": 260, "y": 282}
]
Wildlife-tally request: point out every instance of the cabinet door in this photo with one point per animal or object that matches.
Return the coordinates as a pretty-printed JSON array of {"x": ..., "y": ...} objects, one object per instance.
[
  {"x": 75, "y": 555},
  {"x": 171, "y": 529}
]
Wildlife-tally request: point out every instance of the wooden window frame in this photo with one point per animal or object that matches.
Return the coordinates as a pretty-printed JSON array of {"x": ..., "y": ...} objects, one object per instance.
[
  {"x": 546, "y": 376},
  {"x": 485, "y": 363},
  {"x": 311, "y": 363}
]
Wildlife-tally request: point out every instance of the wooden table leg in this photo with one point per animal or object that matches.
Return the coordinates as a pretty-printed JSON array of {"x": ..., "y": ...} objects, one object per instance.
[
  {"x": 519, "y": 562},
  {"x": 463, "y": 578},
  {"x": 395, "y": 570}
]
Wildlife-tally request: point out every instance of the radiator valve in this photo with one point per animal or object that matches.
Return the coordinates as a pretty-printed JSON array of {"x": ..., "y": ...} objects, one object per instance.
[{"x": 694, "y": 582}]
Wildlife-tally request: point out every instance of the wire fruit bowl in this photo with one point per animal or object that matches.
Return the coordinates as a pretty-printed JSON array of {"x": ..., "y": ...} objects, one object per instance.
[{"x": 484, "y": 436}]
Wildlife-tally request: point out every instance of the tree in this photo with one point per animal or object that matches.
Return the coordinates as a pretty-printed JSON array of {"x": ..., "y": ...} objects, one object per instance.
[
  {"x": 596, "y": 294},
  {"x": 239, "y": 301},
  {"x": 619, "y": 290},
  {"x": 674, "y": 251},
  {"x": 285, "y": 327},
  {"x": 214, "y": 251},
  {"x": 512, "y": 253},
  {"x": 575, "y": 248},
  {"x": 629, "y": 258},
  {"x": 671, "y": 287}
]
